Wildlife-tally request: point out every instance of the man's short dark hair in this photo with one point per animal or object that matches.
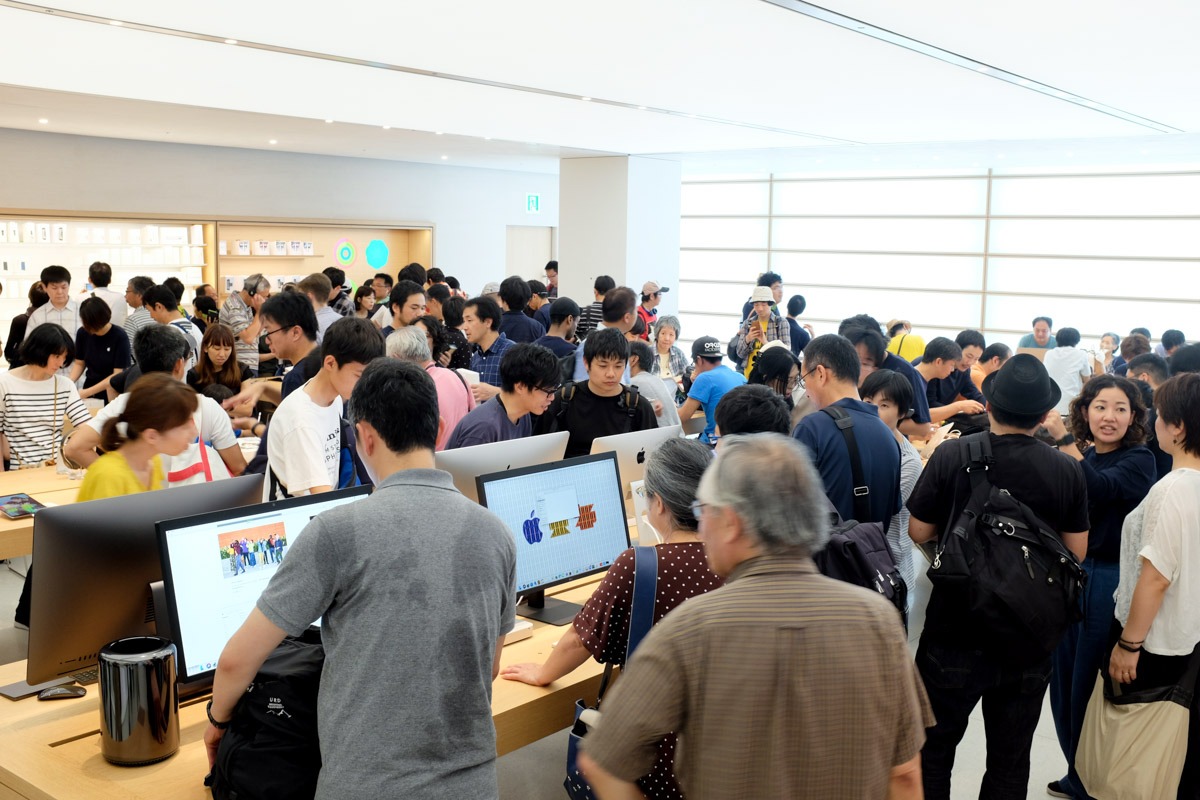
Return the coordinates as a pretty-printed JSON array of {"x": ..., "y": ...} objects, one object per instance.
[
  {"x": 486, "y": 309},
  {"x": 403, "y": 290},
  {"x": 752, "y": 408},
  {"x": 796, "y": 305},
  {"x": 1049, "y": 323},
  {"x": 452, "y": 282},
  {"x": 202, "y": 291},
  {"x": 94, "y": 313},
  {"x": 1151, "y": 363},
  {"x": 536, "y": 287},
  {"x": 514, "y": 291},
  {"x": 158, "y": 348},
  {"x": 383, "y": 276},
  {"x": 318, "y": 285},
  {"x": 289, "y": 310},
  {"x": 860, "y": 321},
  {"x": 396, "y": 398},
  {"x": 439, "y": 293},
  {"x": 940, "y": 347},
  {"x": 603, "y": 284},
  {"x": 1173, "y": 338},
  {"x": 605, "y": 343},
  {"x": 551, "y": 266},
  {"x": 1178, "y": 403},
  {"x": 160, "y": 295},
  {"x": 452, "y": 311},
  {"x": 996, "y": 349},
  {"x": 1134, "y": 345},
  {"x": 413, "y": 272},
  {"x": 896, "y": 388},
  {"x": 55, "y": 274},
  {"x": 1186, "y": 359},
  {"x": 1067, "y": 337},
  {"x": 836, "y": 354},
  {"x": 217, "y": 391},
  {"x": 47, "y": 339},
  {"x": 435, "y": 275},
  {"x": 529, "y": 365},
  {"x": 176, "y": 287},
  {"x": 351, "y": 340},
  {"x": 871, "y": 338},
  {"x": 769, "y": 279},
  {"x": 336, "y": 275},
  {"x": 1143, "y": 331},
  {"x": 99, "y": 274},
  {"x": 642, "y": 353},
  {"x": 140, "y": 284},
  {"x": 617, "y": 304},
  {"x": 970, "y": 338},
  {"x": 1022, "y": 422}
]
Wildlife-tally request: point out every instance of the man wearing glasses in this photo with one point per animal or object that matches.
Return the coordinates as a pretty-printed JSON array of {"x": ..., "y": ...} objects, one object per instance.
[
  {"x": 648, "y": 311},
  {"x": 529, "y": 375}
]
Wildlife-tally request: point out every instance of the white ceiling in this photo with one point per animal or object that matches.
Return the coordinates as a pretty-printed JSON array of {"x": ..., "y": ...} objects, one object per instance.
[{"x": 762, "y": 81}]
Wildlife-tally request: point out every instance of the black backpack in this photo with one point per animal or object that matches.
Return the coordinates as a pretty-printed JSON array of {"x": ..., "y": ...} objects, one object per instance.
[
  {"x": 271, "y": 749},
  {"x": 566, "y": 368},
  {"x": 566, "y": 393},
  {"x": 1007, "y": 567}
]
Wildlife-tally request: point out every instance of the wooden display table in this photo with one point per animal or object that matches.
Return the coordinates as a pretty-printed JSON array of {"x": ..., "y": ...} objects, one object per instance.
[
  {"x": 45, "y": 485},
  {"x": 52, "y": 749}
]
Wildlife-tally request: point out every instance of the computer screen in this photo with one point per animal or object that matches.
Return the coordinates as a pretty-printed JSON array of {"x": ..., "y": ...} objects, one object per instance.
[
  {"x": 567, "y": 518},
  {"x": 467, "y": 463},
  {"x": 216, "y": 565}
]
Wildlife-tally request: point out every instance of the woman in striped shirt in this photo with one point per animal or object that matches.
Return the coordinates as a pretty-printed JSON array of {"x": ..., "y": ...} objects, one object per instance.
[{"x": 33, "y": 399}]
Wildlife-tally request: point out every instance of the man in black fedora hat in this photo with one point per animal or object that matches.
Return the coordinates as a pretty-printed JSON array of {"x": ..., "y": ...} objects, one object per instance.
[{"x": 957, "y": 657}]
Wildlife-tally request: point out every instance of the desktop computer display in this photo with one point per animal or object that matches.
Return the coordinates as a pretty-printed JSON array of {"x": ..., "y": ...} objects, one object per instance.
[
  {"x": 215, "y": 566},
  {"x": 467, "y": 463},
  {"x": 568, "y": 520}
]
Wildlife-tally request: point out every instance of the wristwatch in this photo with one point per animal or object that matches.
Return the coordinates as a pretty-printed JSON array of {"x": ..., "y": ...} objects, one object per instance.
[
  {"x": 1066, "y": 440},
  {"x": 218, "y": 725}
]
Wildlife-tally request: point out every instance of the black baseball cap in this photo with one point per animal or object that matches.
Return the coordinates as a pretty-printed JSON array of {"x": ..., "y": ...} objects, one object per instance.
[{"x": 707, "y": 346}]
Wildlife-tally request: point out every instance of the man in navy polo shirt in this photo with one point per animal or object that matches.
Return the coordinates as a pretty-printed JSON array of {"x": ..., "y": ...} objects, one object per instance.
[
  {"x": 831, "y": 379},
  {"x": 867, "y": 338},
  {"x": 564, "y": 315},
  {"x": 514, "y": 295}
]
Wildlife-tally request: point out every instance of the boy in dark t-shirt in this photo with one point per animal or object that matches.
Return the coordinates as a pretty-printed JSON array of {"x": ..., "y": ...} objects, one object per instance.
[{"x": 601, "y": 405}]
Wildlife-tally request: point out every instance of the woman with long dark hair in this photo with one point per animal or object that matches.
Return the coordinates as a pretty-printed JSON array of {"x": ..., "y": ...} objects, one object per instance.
[{"x": 218, "y": 363}]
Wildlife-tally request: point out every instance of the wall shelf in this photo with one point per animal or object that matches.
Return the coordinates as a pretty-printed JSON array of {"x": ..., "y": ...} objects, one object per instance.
[{"x": 271, "y": 258}]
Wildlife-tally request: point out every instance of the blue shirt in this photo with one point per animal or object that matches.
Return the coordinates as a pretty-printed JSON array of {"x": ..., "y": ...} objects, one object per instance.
[
  {"x": 708, "y": 388},
  {"x": 800, "y": 337},
  {"x": 581, "y": 368},
  {"x": 487, "y": 364},
  {"x": 1117, "y": 482},
  {"x": 920, "y": 398},
  {"x": 944, "y": 391},
  {"x": 1028, "y": 341},
  {"x": 877, "y": 449},
  {"x": 557, "y": 345},
  {"x": 542, "y": 315},
  {"x": 488, "y": 423},
  {"x": 520, "y": 328}
]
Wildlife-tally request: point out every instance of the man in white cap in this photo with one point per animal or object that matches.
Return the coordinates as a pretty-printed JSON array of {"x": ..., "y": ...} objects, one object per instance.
[
  {"x": 648, "y": 310},
  {"x": 762, "y": 326}
]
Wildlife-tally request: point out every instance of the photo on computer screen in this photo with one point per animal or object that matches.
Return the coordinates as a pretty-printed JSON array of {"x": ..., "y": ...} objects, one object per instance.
[{"x": 255, "y": 550}]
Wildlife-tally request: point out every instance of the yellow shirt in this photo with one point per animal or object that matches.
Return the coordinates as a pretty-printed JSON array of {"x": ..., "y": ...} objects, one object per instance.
[
  {"x": 111, "y": 476},
  {"x": 907, "y": 346}
]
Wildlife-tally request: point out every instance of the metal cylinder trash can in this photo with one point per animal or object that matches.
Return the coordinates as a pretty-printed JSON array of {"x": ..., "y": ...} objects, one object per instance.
[{"x": 139, "y": 704}]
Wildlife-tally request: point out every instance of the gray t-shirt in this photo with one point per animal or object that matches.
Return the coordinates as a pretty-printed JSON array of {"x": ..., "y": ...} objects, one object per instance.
[{"x": 415, "y": 585}]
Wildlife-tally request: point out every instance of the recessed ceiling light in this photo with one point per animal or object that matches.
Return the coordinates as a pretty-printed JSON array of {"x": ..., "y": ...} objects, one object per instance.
[
  {"x": 272, "y": 141},
  {"x": 1000, "y": 155},
  {"x": 1093, "y": 104},
  {"x": 445, "y": 157},
  {"x": 115, "y": 22},
  {"x": 1060, "y": 94},
  {"x": 1070, "y": 155},
  {"x": 982, "y": 69},
  {"x": 874, "y": 159},
  {"x": 975, "y": 164},
  {"x": 820, "y": 161},
  {"x": 231, "y": 41},
  {"x": 1024, "y": 82},
  {"x": 387, "y": 127},
  {"x": 693, "y": 116},
  {"x": 328, "y": 121},
  {"x": 937, "y": 158},
  {"x": 43, "y": 121},
  {"x": 585, "y": 99},
  {"x": 439, "y": 133},
  {"x": 487, "y": 138},
  {"x": 1145, "y": 152},
  {"x": 641, "y": 108}
]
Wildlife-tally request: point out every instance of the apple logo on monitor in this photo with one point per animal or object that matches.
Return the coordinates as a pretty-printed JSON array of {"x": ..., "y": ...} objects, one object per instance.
[
  {"x": 641, "y": 456},
  {"x": 532, "y": 528}
]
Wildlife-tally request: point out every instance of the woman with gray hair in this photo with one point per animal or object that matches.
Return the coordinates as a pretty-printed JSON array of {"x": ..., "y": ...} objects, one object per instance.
[
  {"x": 669, "y": 360},
  {"x": 601, "y": 628}
]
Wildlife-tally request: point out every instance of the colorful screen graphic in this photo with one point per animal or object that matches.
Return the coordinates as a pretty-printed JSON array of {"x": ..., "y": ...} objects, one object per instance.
[
  {"x": 377, "y": 254},
  {"x": 345, "y": 252}
]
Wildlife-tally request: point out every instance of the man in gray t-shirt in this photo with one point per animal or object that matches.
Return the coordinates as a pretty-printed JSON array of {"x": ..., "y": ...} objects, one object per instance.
[{"x": 414, "y": 609}]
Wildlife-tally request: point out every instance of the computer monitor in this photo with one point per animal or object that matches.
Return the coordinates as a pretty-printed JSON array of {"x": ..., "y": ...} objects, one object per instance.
[
  {"x": 568, "y": 520},
  {"x": 210, "y": 589},
  {"x": 632, "y": 450},
  {"x": 94, "y": 564},
  {"x": 467, "y": 463}
]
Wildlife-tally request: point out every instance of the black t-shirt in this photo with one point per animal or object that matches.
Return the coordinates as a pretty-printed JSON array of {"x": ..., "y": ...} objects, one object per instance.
[
  {"x": 193, "y": 379},
  {"x": 102, "y": 353},
  {"x": 1049, "y": 482},
  {"x": 589, "y": 416},
  {"x": 122, "y": 382}
]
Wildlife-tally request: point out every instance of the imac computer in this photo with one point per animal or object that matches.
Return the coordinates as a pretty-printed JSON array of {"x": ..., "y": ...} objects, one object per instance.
[
  {"x": 568, "y": 520},
  {"x": 94, "y": 562},
  {"x": 215, "y": 566},
  {"x": 631, "y": 450},
  {"x": 467, "y": 463}
]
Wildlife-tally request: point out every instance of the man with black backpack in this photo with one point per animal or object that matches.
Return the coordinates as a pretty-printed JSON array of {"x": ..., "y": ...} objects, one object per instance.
[
  {"x": 1010, "y": 515},
  {"x": 601, "y": 405}
]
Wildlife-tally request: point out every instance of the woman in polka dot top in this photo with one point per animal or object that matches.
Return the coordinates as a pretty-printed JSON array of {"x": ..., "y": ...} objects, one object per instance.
[{"x": 601, "y": 628}]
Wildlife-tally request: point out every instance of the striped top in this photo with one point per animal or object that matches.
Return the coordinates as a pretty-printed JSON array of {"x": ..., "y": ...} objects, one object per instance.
[
  {"x": 31, "y": 415},
  {"x": 135, "y": 322},
  {"x": 808, "y": 681},
  {"x": 589, "y": 318}
]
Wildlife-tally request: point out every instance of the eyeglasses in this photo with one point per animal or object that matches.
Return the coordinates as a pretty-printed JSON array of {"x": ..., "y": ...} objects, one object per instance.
[
  {"x": 800, "y": 379},
  {"x": 269, "y": 334},
  {"x": 549, "y": 392},
  {"x": 696, "y": 506}
]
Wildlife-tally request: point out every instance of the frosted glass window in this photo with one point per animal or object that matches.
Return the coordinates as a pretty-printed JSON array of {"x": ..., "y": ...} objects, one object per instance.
[
  {"x": 955, "y": 197},
  {"x": 735, "y": 234},
  {"x": 880, "y": 235},
  {"x": 949, "y": 309},
  {"x": 862, "y": 269},
  {"x": 714, "y": 297},
  {"x": 1089, "y": 316},
  {"x": 722, "y": 326},
  {"x": 1114, "y": 237},
  {"x": 725, "y": 199},
  {"x": 1131, "y": 195},
  {"x": 1095, "y": 277},
  {"x": 722, "y": 265}
]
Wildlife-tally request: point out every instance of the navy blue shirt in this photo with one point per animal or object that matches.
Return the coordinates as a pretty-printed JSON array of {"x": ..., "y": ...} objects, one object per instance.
[
  {"x": 557, "y": 345},
  {"x": 488, "y": 423},
  {"x": 542, "y": 315},
  {"x": 800, "y": 337},
  {"x": 1116, "y": 482},
  {"x": 877, "y": 449},
  {"x": 920, "y": 399},
  {"x": 944, "y": 391},
  {"x": 520, "y": 328}
]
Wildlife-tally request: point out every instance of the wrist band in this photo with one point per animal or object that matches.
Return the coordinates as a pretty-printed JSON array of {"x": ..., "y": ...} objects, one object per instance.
[
  {"x": 1127, "y": 648},
  {"x": 1066, "y": 440}
]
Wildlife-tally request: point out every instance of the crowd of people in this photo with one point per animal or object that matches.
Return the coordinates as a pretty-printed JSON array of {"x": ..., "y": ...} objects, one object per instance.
[{"x": 809, "y": 680}]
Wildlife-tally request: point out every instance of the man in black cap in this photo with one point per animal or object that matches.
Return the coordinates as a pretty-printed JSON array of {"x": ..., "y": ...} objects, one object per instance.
[
  {"x": 564, "y": 314},
  {"x": 958, "y": 659},
  {"x": 710, "y": 381}
]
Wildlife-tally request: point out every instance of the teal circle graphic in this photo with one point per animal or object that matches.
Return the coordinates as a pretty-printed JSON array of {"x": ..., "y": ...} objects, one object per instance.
[{"x": 377, "y": 253}]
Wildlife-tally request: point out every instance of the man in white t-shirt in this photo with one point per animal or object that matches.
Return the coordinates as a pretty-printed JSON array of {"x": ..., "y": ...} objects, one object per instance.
[
  {"x": 162, "y": 348},
  {"x": 1069, "y": 367},
  {"x": 304, "y": 446}
]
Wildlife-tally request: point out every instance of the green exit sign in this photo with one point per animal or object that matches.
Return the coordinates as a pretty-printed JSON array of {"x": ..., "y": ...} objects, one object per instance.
[{"x": 533, "y": 204}]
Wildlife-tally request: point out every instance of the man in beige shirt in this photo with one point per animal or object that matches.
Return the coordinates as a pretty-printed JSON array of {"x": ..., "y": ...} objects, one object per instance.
[{"x": 781, "y": 684}]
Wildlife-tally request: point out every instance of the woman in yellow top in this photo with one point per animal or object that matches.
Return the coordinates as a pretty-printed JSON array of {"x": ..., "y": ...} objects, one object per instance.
[
  {"x": 159, "y": 422},
  {"x": 902, "y": 342}
]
